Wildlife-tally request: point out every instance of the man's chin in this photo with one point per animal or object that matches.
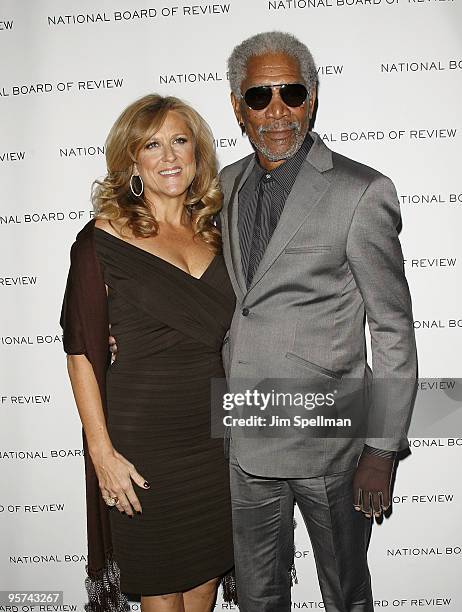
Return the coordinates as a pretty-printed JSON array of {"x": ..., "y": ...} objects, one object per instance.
[{"x": 277, "y": 151}]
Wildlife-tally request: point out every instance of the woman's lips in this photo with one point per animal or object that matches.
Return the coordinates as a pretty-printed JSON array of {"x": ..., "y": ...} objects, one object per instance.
[{"x": 170, "y": 172}]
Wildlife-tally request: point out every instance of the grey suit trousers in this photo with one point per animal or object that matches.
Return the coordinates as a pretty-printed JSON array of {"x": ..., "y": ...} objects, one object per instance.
[{"x": 263, "y": 539}]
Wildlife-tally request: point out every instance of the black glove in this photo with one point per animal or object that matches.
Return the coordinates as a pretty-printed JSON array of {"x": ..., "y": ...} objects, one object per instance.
[{"x": 372, "y": 481}]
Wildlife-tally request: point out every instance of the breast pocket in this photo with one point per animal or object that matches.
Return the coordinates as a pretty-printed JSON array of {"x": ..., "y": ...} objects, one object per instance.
[{"x": 314, "y": 248}]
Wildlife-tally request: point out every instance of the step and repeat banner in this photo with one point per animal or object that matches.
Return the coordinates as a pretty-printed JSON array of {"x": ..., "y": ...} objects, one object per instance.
[{"x": 391, "y": 85}]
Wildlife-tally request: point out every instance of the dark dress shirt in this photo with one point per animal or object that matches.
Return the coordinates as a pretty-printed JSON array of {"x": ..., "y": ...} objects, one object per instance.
[{"x": 261, "y": 202}]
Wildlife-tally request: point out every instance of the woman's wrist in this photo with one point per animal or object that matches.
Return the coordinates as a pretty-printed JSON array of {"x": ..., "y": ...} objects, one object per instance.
[{"x": 100, "y": 449}]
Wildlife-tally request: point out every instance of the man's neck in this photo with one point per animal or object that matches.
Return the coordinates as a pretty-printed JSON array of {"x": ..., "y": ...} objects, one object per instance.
[{"x": 267, "y": 164}]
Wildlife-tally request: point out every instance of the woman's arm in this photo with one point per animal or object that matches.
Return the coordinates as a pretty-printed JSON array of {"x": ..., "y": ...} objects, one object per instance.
[
  {"x": 114, "y": 472},
  {"x": 85, "y": 324},
  {"x": 88, "y": 400}
]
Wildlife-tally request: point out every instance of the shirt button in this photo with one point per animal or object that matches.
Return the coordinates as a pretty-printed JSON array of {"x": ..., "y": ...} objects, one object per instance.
[{"x": 245, "y": 312}]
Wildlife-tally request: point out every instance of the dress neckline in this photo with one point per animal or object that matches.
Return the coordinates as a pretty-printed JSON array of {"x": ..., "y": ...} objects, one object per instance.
[{"x": 168, "y": 263}]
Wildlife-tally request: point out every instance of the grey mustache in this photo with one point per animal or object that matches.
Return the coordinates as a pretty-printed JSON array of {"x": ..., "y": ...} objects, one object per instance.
[{"x": 294, "y": 125}]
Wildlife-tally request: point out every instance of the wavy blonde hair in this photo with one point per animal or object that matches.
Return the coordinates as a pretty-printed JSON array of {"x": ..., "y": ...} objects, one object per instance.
[{"x": 112, "y": 197}]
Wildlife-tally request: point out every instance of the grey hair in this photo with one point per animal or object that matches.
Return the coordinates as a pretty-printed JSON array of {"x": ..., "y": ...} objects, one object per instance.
[{"x": 270, "y": 42}]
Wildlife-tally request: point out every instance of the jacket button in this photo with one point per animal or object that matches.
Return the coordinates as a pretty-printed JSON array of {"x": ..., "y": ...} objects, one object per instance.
[
  {"x": 226, "y": 340},
  {"x": 245, "y": 312}
]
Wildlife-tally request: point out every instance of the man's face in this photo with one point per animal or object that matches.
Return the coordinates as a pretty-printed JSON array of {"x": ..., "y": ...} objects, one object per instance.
[{"x": 278, "y": 130}]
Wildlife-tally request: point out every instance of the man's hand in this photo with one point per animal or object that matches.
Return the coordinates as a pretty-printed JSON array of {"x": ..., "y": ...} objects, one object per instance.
[
  {"x": 113, "y": 348},
  {"x": 372, "y": 483}
]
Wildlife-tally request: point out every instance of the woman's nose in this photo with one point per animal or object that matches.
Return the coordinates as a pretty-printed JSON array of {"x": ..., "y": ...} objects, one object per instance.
[{"x": 169, "y": 153}]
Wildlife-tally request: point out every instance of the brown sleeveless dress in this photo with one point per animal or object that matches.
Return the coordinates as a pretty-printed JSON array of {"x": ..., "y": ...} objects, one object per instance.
[{"x": 169, "y": 328}]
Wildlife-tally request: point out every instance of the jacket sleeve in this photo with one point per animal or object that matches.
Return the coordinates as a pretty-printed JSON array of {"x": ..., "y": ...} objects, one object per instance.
[{"x": 376, "y": 262}]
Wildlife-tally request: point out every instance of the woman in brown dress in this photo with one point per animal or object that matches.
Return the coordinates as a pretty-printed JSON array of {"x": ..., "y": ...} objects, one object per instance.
[{"x": 160, "y": 522}]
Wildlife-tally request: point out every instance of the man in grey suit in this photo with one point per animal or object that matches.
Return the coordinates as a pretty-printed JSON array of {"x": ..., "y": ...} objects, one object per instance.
[{"x": 310, "y": 240}]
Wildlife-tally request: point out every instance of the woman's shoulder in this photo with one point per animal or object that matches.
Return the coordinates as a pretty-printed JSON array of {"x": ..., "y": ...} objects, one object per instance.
[
  {"x": 84, "y": 245},
  {"x": 85, "y": 237},
  {"x": 86, "y": 233},
  {"x": 113, "y": 227},
  {"x": 103, "y": 224},
  {"x": 84, "y": 260}
]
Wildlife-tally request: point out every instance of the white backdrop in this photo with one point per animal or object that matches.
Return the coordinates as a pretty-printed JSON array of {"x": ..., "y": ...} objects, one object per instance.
[{"x": 391, "y": 85}]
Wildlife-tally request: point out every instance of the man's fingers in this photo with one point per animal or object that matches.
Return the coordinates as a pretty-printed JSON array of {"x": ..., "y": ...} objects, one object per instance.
[
  {"x": 371, "y": 503},
  {"x": 386, "y": 501},
  {"x": 377, "y": 503},
  {"x": 358, "y": 499},
  {"x": 366, "y": 505},
  {"x": 112, "y": 348}
]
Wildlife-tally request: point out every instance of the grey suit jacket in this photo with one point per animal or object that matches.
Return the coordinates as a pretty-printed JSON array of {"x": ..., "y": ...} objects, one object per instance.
[{"x": 334, "y": 258}]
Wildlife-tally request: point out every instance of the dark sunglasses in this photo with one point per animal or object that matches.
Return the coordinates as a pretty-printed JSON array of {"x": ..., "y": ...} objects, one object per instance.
[{"x": 292, "y": 94}]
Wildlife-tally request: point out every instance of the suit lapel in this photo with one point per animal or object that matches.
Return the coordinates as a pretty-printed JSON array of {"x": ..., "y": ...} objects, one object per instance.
[
  {"x": 308, "y": 189},
  {"x": 231, "y": 246}
]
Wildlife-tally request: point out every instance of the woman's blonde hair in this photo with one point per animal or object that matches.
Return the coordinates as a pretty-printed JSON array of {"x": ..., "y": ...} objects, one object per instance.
[{"x": 112, "y": 197}]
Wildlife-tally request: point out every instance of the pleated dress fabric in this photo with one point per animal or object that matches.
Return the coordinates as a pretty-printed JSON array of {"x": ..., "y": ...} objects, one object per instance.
[{"x": 169, "y": 328}]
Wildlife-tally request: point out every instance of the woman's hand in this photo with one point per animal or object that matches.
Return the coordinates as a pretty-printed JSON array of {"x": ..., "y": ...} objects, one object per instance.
[
  {"x": 115, "y": 475},
  {"x": 114, "y": 472}
]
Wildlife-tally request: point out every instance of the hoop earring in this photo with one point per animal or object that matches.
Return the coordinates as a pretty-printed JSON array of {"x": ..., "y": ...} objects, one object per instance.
[{"x": 131, "y": 185}]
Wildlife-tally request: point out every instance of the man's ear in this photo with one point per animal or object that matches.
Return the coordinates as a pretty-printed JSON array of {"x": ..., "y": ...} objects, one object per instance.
[
  {"x": 238, "y": 112},
  {"x": 237, "y": 108},
  {"x": 312, "y": 100}
]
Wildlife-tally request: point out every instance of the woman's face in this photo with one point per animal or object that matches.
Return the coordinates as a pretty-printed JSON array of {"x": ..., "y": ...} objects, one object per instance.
[{"x": 167, "y": 161}]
